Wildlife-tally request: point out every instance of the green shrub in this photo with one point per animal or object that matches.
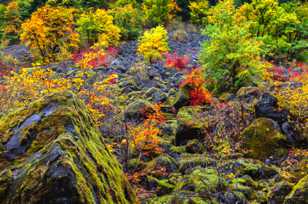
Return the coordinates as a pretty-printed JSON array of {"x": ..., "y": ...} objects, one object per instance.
[
  {"x": 232, "y": 58},
  {"x": 281, "y": 30},
  {"x": 12, "y": 23},
  {"x": 120, "y": 3},
  {"x": 80, "y": 3},
  {"x": 198, "y": 12},
  {"x": 156, "y": 12},
  {"x": 2, "y": 19},
  {"x": 128, "y": 19},
  {"x": 97, "y": 29}
]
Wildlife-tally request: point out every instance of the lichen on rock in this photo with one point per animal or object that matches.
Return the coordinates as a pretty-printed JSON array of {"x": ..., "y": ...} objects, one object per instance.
[
  {"x": 52, "y": 152},
  {"x": 263, "y": 139}
]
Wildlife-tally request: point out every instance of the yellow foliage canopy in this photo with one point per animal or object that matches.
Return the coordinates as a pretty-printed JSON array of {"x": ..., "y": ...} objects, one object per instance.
[{"x": 50, "y": 33}]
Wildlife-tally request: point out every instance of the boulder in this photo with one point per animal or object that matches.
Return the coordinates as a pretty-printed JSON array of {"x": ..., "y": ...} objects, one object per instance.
[
  {"x": 156, "y": 95},
  {"x": 182, "y": 98},
  {"x": 299, "y": 193},
  {"x": 187, "y": 163},
  {"x": 262, "y": 139},
  {"x": 267, "y": 108},
  {"x": 248, "y": 93},
  {"x": 138, "y": 110},
  {"x": 53, "y": 153},
  {"x": 190, "y": 126},
  {"x": 279, "y": 192},
  {"x": 200, "y": 180},
  {"x": 163, "y": 161},
  {"x": 255, "y": 169},
  {"x": 195, "y": 146}
]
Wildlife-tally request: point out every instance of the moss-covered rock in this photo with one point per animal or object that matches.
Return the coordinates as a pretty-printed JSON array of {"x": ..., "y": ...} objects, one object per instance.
[
  {"x": 182, "y": 98},
  {"x": 182, "y": 198},
  {"x": 299, "y": 193},
  {"x": 249, "y": 167},
  {"x": 138, "y": 110},
  {"x": 263, "y": 139},
  {"x": 190, "y": 126},
  {"x": 163, "y": 161},
  {"x": 200, "y": 180},
  {"x": 189, "y": 161},
  {"x": 195, "y": 146},
  {"x": 279, "y": 192},
  {"x": 53, "y": 153}
]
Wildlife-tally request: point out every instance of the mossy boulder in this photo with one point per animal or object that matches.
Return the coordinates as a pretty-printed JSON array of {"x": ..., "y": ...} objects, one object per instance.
[
  {"x": 262, "y": 139},
  {"x": 195, "y": 146},
  {"x": 163, "y": 161},
  {"x": 249, "y": 93},
  {"x": 189, "y": 162},
  {"x": 200, "y": 180},
  {"x": 299, "y": 193},
  {"x": 53, "y": 153},
  {"x": 255, "y": 169},
  {"x": 138, "y": 110},
  {"x": 182, "y": 98},
  {"x": 182, "y": 198},
  {"x": 190, "y": 125},
  {"x": 279, "y": 192}
]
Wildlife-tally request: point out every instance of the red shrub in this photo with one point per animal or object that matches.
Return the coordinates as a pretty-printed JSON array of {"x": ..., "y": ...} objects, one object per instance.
[
  {"x": 94, "y": 58},
  {"x": 291, "y": 73},
  {"x": 200, "y": 96},
  {"x": 173, "y": 60},
  {"x": 193, "y": 79}
]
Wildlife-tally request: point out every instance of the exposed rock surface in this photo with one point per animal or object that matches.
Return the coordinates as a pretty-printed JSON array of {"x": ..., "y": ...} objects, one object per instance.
[
  {"x": 190, "y": 126},
  {"x": 263, "y": 139},
  {"x": 51, "y": 152},
  {"x": 267, "y": 107},
  {"x": 138, "y": 110}
]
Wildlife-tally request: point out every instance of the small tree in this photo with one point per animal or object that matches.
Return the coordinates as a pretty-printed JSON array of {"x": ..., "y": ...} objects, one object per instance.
[
  {"x": 156, "y": 12},
  {"x": 153, "y": 44},
  {"x": 129, "y": 20},
  {"x": 281, "y": 30},
  {"x": 97, "y": 29},
  {"x": 232, "y": 58},
  {"x": 12, "y": 24},
  {"x": 50, "y": 33},
  {"x": 2, "y": 19}
]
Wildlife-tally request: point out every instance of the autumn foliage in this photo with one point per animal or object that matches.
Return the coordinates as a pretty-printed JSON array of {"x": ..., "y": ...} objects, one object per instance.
[
  {"x": 94, "y": 58},
  {"x": 146, "y": 135},
  {"x": 173, "y": 60},
  {"x": 50, "y": 33},
  {"x": 195, "y": 83}
]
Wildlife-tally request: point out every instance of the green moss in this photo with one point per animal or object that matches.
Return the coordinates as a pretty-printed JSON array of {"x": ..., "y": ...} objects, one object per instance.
[
  {"x": 165, "y": 161},
  {"x": 200, "y": 180},
  {"x": 190, "y": 161},
  {"x": 299, "y": 193},
  {"x": 64, "y": 138},
  {"x": 263, "y": 139},
  {"x": 190, "y": 116}
]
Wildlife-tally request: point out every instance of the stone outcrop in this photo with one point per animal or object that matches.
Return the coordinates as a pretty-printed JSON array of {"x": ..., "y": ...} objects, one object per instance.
[
  {"x": 263, "y": 139},
  {"x": 51, "y": 152}
]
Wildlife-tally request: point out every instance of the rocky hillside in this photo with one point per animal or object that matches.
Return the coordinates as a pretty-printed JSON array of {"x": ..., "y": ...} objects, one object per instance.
[{"x": 153, "y": 102}]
